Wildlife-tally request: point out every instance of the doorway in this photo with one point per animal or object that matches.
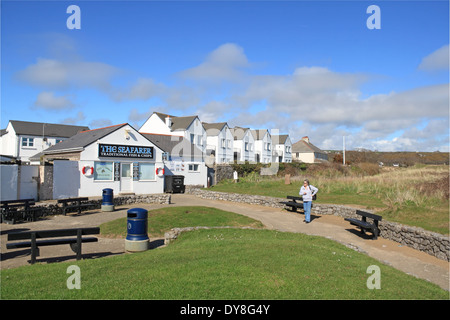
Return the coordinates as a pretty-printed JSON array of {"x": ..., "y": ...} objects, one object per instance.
[{"x": 126, "y": 177}]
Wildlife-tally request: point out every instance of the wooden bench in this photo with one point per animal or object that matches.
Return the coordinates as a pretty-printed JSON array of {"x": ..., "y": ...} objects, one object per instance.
[
  {"x": 293, "y": 203},
  {"x": 365, "y": 225},
  {"x": 13, "y": 211},
  {"x": 61, "y": 235},
  {"x": 73, "y": 203}
]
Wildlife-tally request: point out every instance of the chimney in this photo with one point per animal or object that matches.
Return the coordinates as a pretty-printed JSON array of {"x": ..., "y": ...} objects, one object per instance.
[
  {"x": 169, "y": 122},
  {"x": 306, "y": 139}
]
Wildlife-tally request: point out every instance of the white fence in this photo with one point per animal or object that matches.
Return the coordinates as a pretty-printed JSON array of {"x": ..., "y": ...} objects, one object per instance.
[{"x": 19, "y": 182}]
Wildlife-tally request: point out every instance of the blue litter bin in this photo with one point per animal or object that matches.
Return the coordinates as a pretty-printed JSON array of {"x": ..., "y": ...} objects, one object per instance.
[
  {"x": 108, "y": 200},
  {"x": 137, "y": 224}
]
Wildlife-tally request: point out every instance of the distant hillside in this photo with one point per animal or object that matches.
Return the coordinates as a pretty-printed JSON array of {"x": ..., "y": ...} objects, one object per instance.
[{"x": 390, "y": 158}]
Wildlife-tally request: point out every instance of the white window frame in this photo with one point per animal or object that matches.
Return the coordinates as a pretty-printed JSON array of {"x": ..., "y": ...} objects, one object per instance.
[
  {"x": 95, "y": 170},
  {"x": 145, "y": 164},
  {"x": 27, "y": 142}
]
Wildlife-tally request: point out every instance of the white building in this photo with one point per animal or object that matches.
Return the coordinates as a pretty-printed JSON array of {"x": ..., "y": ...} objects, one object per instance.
[
  {"x": 116, "y": 157},
  {"x": 22, "y": 139},
  {"x": 263, "y": 146},
  {"x": 189, "y": 127},
  {"x": 243, "y": 144},
  {"x": 282, "y": 148},
  {"x": 180, "y": 157},
  {"x": 219, "y": 142}
]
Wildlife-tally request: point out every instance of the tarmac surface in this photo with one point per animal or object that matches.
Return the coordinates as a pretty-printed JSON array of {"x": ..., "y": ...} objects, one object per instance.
[{"x": 408, "y": 260}]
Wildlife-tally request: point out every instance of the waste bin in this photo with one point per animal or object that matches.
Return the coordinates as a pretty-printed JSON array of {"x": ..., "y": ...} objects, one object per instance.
[
  {"x": 174, "y": 184},
  {"x": 108, "y": 200},
  {"x": 137, "y": 237}
]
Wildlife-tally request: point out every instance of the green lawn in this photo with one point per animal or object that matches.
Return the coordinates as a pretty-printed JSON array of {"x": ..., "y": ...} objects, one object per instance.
[
  {"x": 394, "y": 195},
  {"x": 221, "y": 264},
  {"x": 162, "y": 220}
]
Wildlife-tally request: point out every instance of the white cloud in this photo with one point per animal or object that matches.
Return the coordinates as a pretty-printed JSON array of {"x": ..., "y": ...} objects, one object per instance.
[
  {"x": 438, "y": 60},
  {"x": 142, "y": 89},
  {"x": 48, "y": 101},
  {"x": 79, "y": 118},
  {"x": 311, "y": 100},
  {"x": 57, "y": 74},
  {"x": 224, "y": 63}
]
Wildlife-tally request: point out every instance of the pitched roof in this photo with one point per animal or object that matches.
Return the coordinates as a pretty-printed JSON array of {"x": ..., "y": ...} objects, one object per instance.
[
  {"x": 213, "y": 129},
  {"x": 305, "y": 147},
  {"x": 280, "y": 139},
  {"x": 178, "y": 123},
  {"x": 259, "y": 134},
  {"x": 81, "y": 140},
  {"x": 46, "y": 129},
  {"x": 238, "y": 132},
  {"x": 176, "y": 146}
]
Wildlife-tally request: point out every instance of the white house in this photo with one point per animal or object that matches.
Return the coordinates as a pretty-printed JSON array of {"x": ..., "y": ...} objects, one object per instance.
[
  {"x": 305, "y": 151},
  {"x": 23, "y": 139},
  {"x": 219, "y": 142},
  {"x": 116, "y": 157},
  {"x": 189, "y": 127},
  {"x": 180, "y": 157},
  {"x": 282, "y": 148},
  {"x": 263, "y": 146},
  {"x": 243, "y": 144}
]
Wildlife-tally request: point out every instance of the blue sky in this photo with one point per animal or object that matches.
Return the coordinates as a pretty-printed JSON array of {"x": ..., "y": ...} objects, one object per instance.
[{"x": 300, "y": 67}]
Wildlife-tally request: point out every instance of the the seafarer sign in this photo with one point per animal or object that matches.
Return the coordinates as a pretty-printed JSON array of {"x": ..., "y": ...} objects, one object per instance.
[{"x": 123, "y": 151}]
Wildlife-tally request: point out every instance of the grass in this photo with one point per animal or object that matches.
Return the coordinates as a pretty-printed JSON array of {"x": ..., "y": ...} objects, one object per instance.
[
  {"x": 223, "y": 264},
  {"x": 416, "y": 196},
  {"x": 219, "y": 264},
  {"x": 162, "y": 220}
]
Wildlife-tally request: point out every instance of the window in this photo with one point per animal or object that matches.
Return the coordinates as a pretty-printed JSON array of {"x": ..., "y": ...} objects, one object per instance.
[
  {"x": 103, "y": 171},
  {"x": 146, "y": 171},
  {"x": 166, "y": 156},
  {"x": 193, "y": 167},
  {"x": 223, "y": 143},
  {"x": 246, "y": 146},
  {"x": 27, "y": 142}
]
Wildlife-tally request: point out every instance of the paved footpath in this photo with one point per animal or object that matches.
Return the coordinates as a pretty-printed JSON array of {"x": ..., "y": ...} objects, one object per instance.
[{"x": 403, "y": 258}]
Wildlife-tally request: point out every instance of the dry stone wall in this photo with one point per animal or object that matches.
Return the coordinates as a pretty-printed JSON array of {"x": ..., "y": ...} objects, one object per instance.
[
  {"x": 52, "y": 208},
  {"x": 432, "y": 243}
]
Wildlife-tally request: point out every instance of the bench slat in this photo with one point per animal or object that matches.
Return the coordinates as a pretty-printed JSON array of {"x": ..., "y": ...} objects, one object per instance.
[
  {"x": 49, "y": 242},
  {"x": 72, "y": 200},
  {"x": 293, "y": 204},
  {"x": 369, "y": 215},
  {"x": 52, "y": 233}
]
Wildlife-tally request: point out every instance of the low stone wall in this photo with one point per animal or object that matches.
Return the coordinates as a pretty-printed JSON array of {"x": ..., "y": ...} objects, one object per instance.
[
  {"x": 432, "y": 243},
  {"x": 52, "y": 208}
]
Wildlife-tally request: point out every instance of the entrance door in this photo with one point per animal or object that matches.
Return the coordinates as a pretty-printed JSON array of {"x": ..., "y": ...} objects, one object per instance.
[{"x": 126, "y": 177}]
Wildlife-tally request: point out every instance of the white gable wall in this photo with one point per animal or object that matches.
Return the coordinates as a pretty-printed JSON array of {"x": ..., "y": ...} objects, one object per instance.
[
  {"x": 88, "y": 158},
  {"x": 154, "y": 124}
]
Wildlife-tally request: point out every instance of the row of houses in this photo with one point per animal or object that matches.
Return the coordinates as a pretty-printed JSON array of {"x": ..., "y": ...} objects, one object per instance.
[
  {"x": 75, "y": 161},
  {"x": 214, "y": 142}
]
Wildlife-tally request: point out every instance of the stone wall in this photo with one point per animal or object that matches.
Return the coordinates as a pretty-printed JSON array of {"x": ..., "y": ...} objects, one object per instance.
[
  {"x": 52, "y": 207},
  {"x": 432, "y": 243},
  {"x": 222, "y": 171}
]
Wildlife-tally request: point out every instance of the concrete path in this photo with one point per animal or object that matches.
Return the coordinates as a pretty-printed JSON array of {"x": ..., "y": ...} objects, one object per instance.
[{"x": 403, "y": 258}]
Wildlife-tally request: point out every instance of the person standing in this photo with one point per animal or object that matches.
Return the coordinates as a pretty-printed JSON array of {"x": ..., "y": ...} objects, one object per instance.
[{"x": 307, "y": 192}]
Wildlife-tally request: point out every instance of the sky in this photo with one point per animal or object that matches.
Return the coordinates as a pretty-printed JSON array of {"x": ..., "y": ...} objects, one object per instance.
[{"x": 325, "y": 69}]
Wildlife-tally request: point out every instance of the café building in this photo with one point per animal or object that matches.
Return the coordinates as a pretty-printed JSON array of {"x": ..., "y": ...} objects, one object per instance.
[{"x": 116, "y": 157}]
